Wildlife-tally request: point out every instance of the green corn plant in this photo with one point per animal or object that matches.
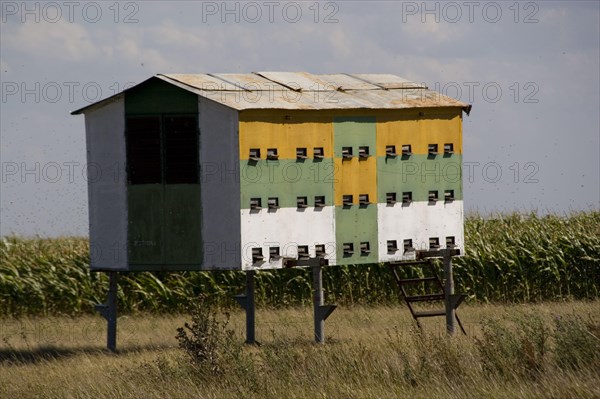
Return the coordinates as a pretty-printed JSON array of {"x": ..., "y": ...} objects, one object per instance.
[{"x": 509, "y": 258}]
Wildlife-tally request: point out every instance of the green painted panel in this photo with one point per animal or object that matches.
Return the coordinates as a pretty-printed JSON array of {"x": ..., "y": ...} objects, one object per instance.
[
  {"x": 419, "y": 174},
  {"x": 164, "y": 227},
  {"x": 145, "y": 228},
  {"x": 286, "y": 179},
  {"x": 159, "y": 97},
  {"x": 354, "y": 132},
  {"x": 183, "y": 244},
  {"x": 354, "y": 225}
]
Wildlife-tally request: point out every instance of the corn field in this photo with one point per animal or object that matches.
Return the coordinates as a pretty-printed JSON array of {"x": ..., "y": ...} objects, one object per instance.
[{"x": 509, "y": 258}]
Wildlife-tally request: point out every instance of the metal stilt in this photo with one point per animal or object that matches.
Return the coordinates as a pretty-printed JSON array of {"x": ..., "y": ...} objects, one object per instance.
[
  {"x": 108, "y": 310},
  {"x": 449, "y": 293},
  {"x": 321, "y": 311},
  {"x": 246, "y": 301}
]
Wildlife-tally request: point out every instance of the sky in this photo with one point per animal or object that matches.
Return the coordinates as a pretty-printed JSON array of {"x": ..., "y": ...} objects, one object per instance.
[{"x": 530, "y": 69}]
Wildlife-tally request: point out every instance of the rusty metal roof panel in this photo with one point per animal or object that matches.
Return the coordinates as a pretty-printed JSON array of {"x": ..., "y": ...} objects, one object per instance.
[
  {"x": 351, "y": 99},
  {"x": 249, "y": 81},
  {"x": 388, "y": 81},
  {"x": 321, "y": 100},
  {"x": 269, "y": 99},
  {"x": 342, "y": 81},
  {"x": 297, "y": 81},
  {"x": 405, "y": 98},
  {"x": 332, "y": 100},
  {"x": 241, "y": 100},
  {"x": 202, "y": 81}
]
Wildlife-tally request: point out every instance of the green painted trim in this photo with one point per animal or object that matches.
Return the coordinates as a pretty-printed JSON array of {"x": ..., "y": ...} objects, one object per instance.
[
  {"x": 354, "y": 132},
  {"x": 419, "y": 174},
  {"x": 159, "y": 97},
  {"x": 286, "y": 180},
  {"x": 354, "y": 225}
]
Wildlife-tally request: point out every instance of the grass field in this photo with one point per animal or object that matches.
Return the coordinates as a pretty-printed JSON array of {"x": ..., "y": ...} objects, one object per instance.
[
  {"x": 532, "y": 318},
  {"x": 511, "y": 351}
]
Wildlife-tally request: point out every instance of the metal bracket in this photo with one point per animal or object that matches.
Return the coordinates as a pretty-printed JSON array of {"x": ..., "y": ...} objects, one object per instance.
[
  {"x": 324, "y": 311},
  {"x": 242, "y": 300},
  {"x": 456, "y": 300},
  {"x": 102, "y": 308}
]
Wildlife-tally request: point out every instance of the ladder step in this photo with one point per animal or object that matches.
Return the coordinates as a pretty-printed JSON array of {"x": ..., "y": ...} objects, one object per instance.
[
  {"x": 425, "y": 298},
  {"x": 430, "y": 313},
  {"x": 409, "y": 263},
  {"x": 416, "y": 280}
]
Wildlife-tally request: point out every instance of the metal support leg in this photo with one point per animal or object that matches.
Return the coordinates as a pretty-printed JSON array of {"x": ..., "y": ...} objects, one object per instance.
[
  {"x": 449, "y": 294},
  {"x": 246, "y": 301},
  {"x": 108, "y": 310},
  {"x": 321, "y": 311},
  {"x": 318, "y": 301}
]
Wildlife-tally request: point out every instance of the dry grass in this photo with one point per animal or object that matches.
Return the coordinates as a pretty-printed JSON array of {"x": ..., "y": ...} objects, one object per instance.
[{"x": 371, "y": 353}]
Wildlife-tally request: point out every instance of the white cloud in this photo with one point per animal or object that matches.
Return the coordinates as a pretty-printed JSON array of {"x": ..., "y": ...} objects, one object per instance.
[
  {"x": 340, "y": 43},
  {"x": 171, "y": 34},
  {"x": 63, "y": 40},
  {"x": 134, "y": 52},
  {"x": 432, "y": 32}
]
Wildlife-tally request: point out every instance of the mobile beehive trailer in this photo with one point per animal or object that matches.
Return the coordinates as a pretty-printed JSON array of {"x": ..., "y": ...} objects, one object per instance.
[{"x": 271, "y": 170}]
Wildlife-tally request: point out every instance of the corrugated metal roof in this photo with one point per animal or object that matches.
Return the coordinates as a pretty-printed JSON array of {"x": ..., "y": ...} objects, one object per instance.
[
  {"x": 203, "y": 81},
  {"x": 297, "y": 81},
  {"x": 342, "y": 81},
  {"x": 302, "y": 90},
  {"x": 388, "y": 81},
  {"x": 249, "y": 81}
]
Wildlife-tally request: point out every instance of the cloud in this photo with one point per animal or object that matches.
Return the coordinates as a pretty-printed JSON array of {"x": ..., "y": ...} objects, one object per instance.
[
  {"x": 63, "y": 41},
  {"x": 134, "y": 52}
]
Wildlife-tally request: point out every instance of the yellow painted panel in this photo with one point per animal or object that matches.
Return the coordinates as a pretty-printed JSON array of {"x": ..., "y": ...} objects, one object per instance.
[
  {"x": 419, "y": 128},
  {"x": 355, "y": 177},
  {"x": 285, "y": 131}
]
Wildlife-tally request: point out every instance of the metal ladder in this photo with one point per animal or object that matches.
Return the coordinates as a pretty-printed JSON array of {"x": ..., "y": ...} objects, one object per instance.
[{"x": 432, "y": 280}]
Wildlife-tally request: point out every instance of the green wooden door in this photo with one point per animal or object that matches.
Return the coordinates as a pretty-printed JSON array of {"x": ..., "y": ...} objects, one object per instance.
[{"x": 164, "y": 199}]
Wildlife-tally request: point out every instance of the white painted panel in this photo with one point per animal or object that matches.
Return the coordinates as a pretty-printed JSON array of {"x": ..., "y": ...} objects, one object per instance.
[
  {"x": 286, "y": 228},
  {"x": 418, "y": 221},
  {"x": 219, "y": 185},
  {"x": 107, "y": 190}
]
